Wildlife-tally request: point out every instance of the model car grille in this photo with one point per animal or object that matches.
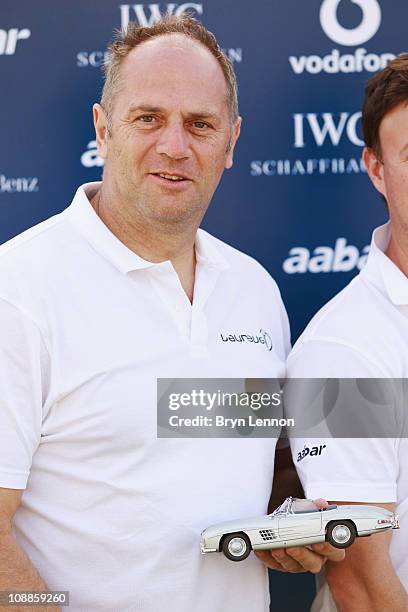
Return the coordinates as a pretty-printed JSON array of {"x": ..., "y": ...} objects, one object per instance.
[{"x": 267, "y": 534}]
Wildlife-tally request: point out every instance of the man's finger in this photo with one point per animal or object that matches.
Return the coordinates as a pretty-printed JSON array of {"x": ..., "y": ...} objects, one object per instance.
[
  {"x": 321, "y": 503},
  {"x": 329, "y": 551},
  {"x": 266, "y": 556},
  {"x": 287, "y": 561},
  {"x": 267, "y": 559},
  {"x": 309, "y": 561},
  {"x": 300, "y": 558}
]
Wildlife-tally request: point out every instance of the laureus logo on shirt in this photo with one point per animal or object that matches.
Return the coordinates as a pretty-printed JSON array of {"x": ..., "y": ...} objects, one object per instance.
[
  {"x": 262, "y": 338},
  {"x": 314, "y": 451}
]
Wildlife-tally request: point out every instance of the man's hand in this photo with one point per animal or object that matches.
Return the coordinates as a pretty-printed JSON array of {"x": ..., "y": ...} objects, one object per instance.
[
  {"x": 300, "y": 558},
  {"x": 372, "y": 582}
]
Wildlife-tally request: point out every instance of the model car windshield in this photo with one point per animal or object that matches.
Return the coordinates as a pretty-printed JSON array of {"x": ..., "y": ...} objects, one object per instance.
[{"x": 283, "y": 508}]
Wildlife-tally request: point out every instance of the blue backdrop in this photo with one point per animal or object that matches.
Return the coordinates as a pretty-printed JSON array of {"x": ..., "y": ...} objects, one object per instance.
[{"x": 297, "y": 198}]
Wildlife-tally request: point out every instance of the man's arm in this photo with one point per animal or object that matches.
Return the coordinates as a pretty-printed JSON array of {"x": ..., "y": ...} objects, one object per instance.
[
  {"x": 17, "y": 573},
  {"x": 364, "y": 469},
  {"x": 366, "y": 580}
]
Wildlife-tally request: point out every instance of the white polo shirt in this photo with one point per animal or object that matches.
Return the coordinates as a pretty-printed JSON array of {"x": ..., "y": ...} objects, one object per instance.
[
  {"x": 110, "y": 512},
  {"x": 361, "y": 333}
]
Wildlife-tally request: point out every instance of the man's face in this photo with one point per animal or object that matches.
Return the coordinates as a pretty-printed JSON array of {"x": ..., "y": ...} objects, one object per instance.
[
  {"x": 171, "y": 135},
  {"x": 390, "y": 175}
]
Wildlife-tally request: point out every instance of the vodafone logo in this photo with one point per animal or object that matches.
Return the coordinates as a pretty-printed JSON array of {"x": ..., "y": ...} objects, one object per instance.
[
  {"x": 358, "y": 60},
  {"x": 370, "y": 22}
]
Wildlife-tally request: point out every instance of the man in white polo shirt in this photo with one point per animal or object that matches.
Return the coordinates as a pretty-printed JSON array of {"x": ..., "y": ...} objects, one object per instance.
[
  {"x": 363, "y": 333},
  {"x": 97, "y": 303}
]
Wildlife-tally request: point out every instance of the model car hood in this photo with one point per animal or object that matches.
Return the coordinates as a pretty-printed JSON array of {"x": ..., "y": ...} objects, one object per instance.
[{"x": 238, "y": 525}]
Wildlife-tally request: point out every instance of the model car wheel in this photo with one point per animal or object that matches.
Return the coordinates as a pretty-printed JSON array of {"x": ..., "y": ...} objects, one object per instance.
[
  {"x": 341, "y": 534},
  {"x": 236, "y": 546}
]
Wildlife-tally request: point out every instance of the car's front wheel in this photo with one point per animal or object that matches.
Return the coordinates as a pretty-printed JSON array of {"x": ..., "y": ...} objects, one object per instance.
[
  {"x": 341, "y": 534},
  {"x": 236, "y": 546}
]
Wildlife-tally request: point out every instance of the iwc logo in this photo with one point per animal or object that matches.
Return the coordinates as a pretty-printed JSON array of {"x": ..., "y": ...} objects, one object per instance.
[
  {"x": 370, "y": 22},
  {"x": 262, "y": 338},
  {"x": 148, "y": 14}
]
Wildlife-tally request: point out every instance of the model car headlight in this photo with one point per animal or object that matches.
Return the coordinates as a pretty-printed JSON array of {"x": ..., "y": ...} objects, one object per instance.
[{"x": 384, "y": 521}]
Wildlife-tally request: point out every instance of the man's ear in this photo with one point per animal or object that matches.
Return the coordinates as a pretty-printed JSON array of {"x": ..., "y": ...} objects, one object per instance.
[
  {"x": 101, "y": 129},
  {"x": 235, "y": 131},
  {"x": 375, "y": 170}
]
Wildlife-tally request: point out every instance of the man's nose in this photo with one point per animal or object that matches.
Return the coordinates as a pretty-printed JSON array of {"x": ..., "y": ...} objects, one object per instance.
[{"x": 173, "y": 141}]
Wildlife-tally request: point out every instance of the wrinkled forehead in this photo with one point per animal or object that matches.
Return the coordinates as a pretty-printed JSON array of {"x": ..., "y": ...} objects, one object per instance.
[{"x": 170, "y": 66}]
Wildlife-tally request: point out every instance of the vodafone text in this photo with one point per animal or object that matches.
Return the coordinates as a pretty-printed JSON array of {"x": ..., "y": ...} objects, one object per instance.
[{"x": 333, "y": 63}]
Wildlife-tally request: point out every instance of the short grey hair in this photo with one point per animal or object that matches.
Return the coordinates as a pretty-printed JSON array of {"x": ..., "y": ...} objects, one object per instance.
[{"x": 128, "y": 39}]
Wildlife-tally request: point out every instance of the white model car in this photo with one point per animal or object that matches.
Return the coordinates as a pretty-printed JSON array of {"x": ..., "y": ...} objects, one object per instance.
[{"x": 297, "y": 522}]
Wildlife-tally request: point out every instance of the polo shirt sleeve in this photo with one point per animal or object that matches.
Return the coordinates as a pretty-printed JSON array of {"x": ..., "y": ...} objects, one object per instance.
[
  {"x": 342, "y": 469},
  {"x": 24, "y": 366}
]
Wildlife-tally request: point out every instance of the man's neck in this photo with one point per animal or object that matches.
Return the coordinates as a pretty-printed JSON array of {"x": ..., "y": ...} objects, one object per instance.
[
  {"x": 397, "y": 251},
  {"x": 398, "y": 255},
  {"x": 152, "y": 244}
]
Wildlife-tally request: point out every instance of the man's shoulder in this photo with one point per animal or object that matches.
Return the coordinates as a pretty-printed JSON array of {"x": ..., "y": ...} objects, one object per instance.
[
  {"x": 340, "y": 317},
  {"x": 352, "y": 314},
  {"x": 33, "y": 241},
  {"x": 359, "y": 323},
  {"x": 33, "y": 257}
]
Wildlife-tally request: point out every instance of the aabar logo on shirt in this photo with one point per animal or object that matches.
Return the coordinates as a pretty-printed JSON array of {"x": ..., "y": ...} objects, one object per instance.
[
  {"x": 314, "y": 451},
  {"x": 262, "y": 338}
]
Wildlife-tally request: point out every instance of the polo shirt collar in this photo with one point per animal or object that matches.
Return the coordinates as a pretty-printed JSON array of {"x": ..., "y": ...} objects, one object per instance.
[
  {"x": 85, "y": 220},
  {"x": 207, "y": 252},
  {"x": 393, "y": 281}
]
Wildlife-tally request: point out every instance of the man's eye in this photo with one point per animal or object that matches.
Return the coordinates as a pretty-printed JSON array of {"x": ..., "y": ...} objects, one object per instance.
[
  {"x": 200, "y": 124},
  {"x": 146, "y": 119}
]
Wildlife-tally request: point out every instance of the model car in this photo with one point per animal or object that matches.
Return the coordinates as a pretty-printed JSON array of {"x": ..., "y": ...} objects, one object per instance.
[{"x": 297, "y": 522}]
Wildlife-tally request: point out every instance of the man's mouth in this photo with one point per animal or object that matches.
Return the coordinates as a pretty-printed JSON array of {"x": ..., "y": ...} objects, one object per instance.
[{"x": 171, "y": 177}]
